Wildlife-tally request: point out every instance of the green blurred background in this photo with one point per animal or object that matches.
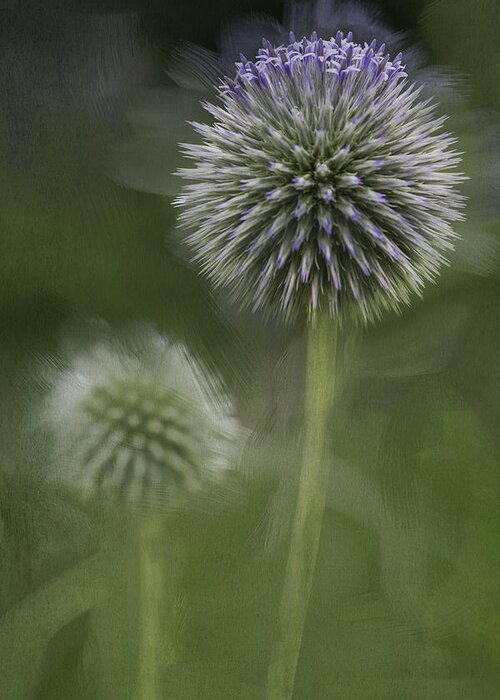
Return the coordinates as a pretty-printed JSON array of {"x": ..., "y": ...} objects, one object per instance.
[{"x": 406, "y": 598}]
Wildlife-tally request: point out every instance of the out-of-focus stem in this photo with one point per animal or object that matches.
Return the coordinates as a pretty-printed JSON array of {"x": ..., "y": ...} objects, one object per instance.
[{"x": 151, "y": 594}]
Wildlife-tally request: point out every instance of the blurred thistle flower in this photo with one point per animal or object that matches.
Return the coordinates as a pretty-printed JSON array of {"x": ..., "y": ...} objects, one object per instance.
[
  {"x": 139, "y": 419},
  {"x": 324, "y": 182}
]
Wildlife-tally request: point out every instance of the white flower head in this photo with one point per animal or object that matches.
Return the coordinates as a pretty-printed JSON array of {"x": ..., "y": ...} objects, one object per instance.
[{"x": 139, "y": 419}]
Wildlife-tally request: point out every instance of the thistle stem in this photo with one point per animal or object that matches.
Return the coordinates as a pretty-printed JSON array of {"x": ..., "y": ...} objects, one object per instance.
[
  {"x": 306, "y": 528},
  {"x": 151, "y": 594}
]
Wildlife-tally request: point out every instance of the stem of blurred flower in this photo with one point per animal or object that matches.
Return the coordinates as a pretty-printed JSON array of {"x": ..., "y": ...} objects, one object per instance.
[
  {"x": 306, "y": 528},
  {"x": 151, "y": 594}
]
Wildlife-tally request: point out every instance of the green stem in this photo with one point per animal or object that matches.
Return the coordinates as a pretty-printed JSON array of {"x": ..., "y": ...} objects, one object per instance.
[
  {"x": 151, "y": 593},
  {"x": 306, "y": 529}
]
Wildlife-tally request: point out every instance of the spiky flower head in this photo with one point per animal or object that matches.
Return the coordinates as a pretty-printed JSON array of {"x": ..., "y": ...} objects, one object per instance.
[
  {"x": 323, "y": 182},
  {"x": 140, "y": 421}
]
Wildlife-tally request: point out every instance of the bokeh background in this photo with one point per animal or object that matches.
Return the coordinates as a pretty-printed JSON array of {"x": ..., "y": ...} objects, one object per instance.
[{"x": 406, "y": 600}]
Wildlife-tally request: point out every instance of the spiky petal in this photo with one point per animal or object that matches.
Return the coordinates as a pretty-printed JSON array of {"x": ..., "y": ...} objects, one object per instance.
[{"x": 323, "y": 182}]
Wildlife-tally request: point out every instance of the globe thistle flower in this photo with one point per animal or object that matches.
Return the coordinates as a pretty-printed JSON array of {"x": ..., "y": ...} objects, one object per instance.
[
  {"x": 324, "y": 182},
  {"x": 138, "y": 419}
]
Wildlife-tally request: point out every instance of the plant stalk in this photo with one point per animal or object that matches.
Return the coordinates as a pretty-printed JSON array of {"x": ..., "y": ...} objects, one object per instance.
[
  {"x": 151, "y": 595},
  {"x": 306, "y": 528}
]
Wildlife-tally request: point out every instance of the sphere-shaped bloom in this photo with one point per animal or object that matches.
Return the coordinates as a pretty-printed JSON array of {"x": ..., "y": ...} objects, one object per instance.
[
  {"x": 140, "y": 421},
  {"x": 323, "y": 182}
]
